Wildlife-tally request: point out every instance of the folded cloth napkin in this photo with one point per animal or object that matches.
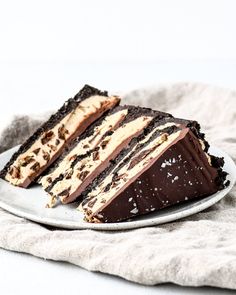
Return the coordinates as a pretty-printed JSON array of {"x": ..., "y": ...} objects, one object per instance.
[{"x": 195, "y": 251}]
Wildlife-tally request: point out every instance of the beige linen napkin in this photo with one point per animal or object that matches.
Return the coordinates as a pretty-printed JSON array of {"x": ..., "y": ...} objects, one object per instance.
[{"x": 199, "y": 250}]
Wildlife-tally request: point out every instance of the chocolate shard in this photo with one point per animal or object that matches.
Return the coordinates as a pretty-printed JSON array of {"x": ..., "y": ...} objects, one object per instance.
[
  {"x": 54, "y": 136},
  {"x": 36, "y": 151},
  {"x": 95, "y": 155},
  {"x": 46, "y": 156},
  {"x": 82, "y": 175},
  {"x": 35, "y": 167},
  {"x": 27, "y": 160},
  {"x": 49, "y": 179},
  {"x": 62, "y": 132},
  {"x": 104, "y": 144},
  {"x": 14, "y": 172},
  {"x": 65, "y": 192},
  {"x": 47, "y": 136}
]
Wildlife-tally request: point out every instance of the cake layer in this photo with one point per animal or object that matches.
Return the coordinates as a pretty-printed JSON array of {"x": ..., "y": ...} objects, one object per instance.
[
  {"x": 49, "y": 141},
  {"x": 74, "y": 174},
  {"x": 170, "y": 167}
]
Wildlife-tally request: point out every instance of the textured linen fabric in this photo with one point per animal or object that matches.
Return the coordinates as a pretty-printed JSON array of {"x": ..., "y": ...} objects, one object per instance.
[{"x": 195, "y": 251}]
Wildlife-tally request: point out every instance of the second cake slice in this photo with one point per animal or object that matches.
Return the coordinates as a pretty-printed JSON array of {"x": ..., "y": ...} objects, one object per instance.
[{"x": 92, "y": 152}]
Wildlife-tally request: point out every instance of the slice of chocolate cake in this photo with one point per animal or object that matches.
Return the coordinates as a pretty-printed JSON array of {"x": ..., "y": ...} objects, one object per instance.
[
  {"x": 167, "y": 164},
  {"x": 94, "y": 150},
  {"x": 49, "y": 141}
]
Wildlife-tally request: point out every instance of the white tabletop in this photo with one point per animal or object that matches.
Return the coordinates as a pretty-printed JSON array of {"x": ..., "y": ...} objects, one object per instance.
[
  {"x": 24, "y": 274},
  {"x": 37, "y": 87}
]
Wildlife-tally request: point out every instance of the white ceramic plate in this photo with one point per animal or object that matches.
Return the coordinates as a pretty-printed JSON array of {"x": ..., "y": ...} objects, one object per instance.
[{"x": 30, "y": 204}]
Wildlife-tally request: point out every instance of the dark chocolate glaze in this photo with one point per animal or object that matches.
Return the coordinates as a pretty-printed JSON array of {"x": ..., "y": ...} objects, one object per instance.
[
  {"x": 67, "y": 107},
  {"x": 188, "y": 176}
]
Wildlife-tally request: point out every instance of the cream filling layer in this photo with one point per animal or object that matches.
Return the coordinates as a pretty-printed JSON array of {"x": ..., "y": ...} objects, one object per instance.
[
  {"x": 119, "y": 136},
  {"x": 130, "y": 174},
  {"x": 89, "y": 143},
  {"x": 67, "y": 127}
]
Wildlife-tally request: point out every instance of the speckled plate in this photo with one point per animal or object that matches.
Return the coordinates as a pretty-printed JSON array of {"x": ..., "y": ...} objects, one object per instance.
[{"x": 30, "y": 204}]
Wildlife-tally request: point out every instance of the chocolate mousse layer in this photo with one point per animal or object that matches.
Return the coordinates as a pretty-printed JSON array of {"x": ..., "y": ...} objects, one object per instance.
[
  {"x": 48, "y": 142},
  {"x": 93, "y": 153},
  {"x": 166, "y": 166}
]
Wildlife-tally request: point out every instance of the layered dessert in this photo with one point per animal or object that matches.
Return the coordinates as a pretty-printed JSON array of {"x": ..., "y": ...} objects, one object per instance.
[
  {"x": 93, "y": 151},
  {"x": 119, "y": 162},
  {"x": 48, "y": 142},
  {"x": 167, "y": 164}
]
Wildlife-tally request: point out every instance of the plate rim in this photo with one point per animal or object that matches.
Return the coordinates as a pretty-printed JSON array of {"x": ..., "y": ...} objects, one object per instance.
[{"x": 201, "y": 204}]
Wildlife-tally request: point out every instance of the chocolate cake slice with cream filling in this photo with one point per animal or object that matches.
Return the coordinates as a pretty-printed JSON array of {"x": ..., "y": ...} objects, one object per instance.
[
  {"x": 49, "y": 141},
  {"x": 92, "y": 152},
  {"x": 167, "y": 164}
]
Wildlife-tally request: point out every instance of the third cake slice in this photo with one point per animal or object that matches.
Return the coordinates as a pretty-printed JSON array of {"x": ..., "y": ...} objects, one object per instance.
[
  {"x": 48, "y": 142},
  {"x": 167, "y": 164}
]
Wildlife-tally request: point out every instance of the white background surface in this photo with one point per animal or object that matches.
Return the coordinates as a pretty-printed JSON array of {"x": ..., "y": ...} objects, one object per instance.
[
  {"x": 22, "y": 274},
  {"x": 124, "y": 30},
  {"x": 49, "y": 49},
  {"x": 36, "y": 87}
]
